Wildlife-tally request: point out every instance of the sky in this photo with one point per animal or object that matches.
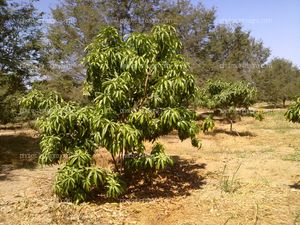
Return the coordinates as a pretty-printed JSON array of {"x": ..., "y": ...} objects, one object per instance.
[{"x": 275, "y": 22}]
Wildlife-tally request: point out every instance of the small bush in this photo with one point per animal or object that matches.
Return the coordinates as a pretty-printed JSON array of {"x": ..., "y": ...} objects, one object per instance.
[
  {"x": 259, "y": 115},
  {"x": 229, "y": 184}
]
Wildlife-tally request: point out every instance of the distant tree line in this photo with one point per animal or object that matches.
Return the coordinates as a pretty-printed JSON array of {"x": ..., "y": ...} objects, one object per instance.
[{"x": 50, "y": 58}]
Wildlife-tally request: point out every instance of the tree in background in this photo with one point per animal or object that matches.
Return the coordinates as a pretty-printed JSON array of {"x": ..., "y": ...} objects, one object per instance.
[
  {"x": 227, "y": 96},
  {"x": 141, "y": 90},
  {"x": 278, "y": 81},
  {"x": 77, "y": 22},
  {"x": 213, "y": 51},
  {"x": 224, "y": 52},
  {"x": 21, "y": 52},
  {"x": 194, "y": 24},
  {"x": 231, "y": 54}
]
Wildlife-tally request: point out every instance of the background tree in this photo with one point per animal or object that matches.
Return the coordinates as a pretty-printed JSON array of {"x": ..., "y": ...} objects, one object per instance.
[
  {"x": 227, "y": 96},
  {"x": 225, "y": 52},
  {"x": 141, "y": 90},
  {"x": 278, "y": 81},
  {"x": 194, "y": 24},
  {"x": 77, "y": 22},
  {"x": 75, "y": 25},
  {"x": 21, "y": 52},
  {"x": 213, "y": 51},
  {"x": 231, "y": 54}
]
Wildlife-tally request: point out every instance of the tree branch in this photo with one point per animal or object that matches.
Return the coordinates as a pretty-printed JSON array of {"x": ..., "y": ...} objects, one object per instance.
[{"x": 145, "y": 89}]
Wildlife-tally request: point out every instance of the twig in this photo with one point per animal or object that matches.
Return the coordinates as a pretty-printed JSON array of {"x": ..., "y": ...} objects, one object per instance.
[
  {"x": 145, "y": 89},
  {"x": 227, "y": 220},
  {"x": 115, "y": 162},
  {"x": 256, "y": 215}
]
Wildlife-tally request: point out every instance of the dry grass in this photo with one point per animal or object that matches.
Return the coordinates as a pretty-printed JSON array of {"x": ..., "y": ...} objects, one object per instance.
[{"x": 268, "y": 193}]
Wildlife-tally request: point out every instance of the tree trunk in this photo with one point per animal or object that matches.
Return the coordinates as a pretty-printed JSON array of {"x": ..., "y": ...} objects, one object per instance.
[
  {"x": 283, "y": 102},
  {"x": 115, "y": 163},
  {"x": 231, "y": 122}
]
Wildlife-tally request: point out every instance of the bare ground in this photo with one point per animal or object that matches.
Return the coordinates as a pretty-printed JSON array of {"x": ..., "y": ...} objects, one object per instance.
[{"x": 266, "y": 187}]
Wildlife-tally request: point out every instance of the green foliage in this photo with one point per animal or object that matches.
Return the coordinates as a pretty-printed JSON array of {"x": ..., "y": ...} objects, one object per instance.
[
  {"x": 38, "y": 100},
  {"x": 279, "y": 81},
  {"x": 10, "y": 110},
  {"x": 114, "y": 185},
  {"x": 231, "y": 54},
  {"x": 67, "y": 39},
  {"x": 146, "y": 165},
  {"x": 231, "y": 113},
  {"x": 207, "y": 124},
  {"x": 223, "y": 95},
  {"x": 227, "y": 96},
  {"x": 141, "y": 88},
  {"x": 293, "y": 112},
  {"x": 20, "y": 40},
  {"x": 213, "y": 50},
  {"x": 259, "y": 115},
  {"x": 21, "y": 51},
  {"x": 51, "y": 147},
  {"x": 160, "y": 75},
  {"x": 77, "y": 179}
]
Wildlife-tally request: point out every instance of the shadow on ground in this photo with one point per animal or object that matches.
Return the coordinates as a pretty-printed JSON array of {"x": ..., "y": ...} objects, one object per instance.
[
  {"x": 17, "y": 151},
  {"x": 295, "y": 186},
  {"x": 233, "y": 133},
  {"x": 178, "y": 180}
]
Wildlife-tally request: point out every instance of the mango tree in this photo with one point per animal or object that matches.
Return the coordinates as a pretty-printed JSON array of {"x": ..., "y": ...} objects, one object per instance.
[
  {"x": 140, "y": 90},
  {"x": 227, "y": 97}
]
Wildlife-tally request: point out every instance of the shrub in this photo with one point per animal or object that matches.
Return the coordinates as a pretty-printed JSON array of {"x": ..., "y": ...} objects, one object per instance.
[{"x": 259, "y": 115}]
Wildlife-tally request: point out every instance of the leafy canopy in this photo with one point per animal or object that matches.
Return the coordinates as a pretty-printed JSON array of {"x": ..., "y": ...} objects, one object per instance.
[
  {"x": 68, "y": 39},
  {"x": 223, "y": 95},
  {"x": 21, "y": 52},
  {"x": 226, "y": 96},
  {"x": 278, "y": 81},
  {"x": 140, "y": 89}
]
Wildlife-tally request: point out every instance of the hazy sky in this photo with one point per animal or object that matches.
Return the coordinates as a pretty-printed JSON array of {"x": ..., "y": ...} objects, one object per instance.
[{"x": 275, "y": 22}]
